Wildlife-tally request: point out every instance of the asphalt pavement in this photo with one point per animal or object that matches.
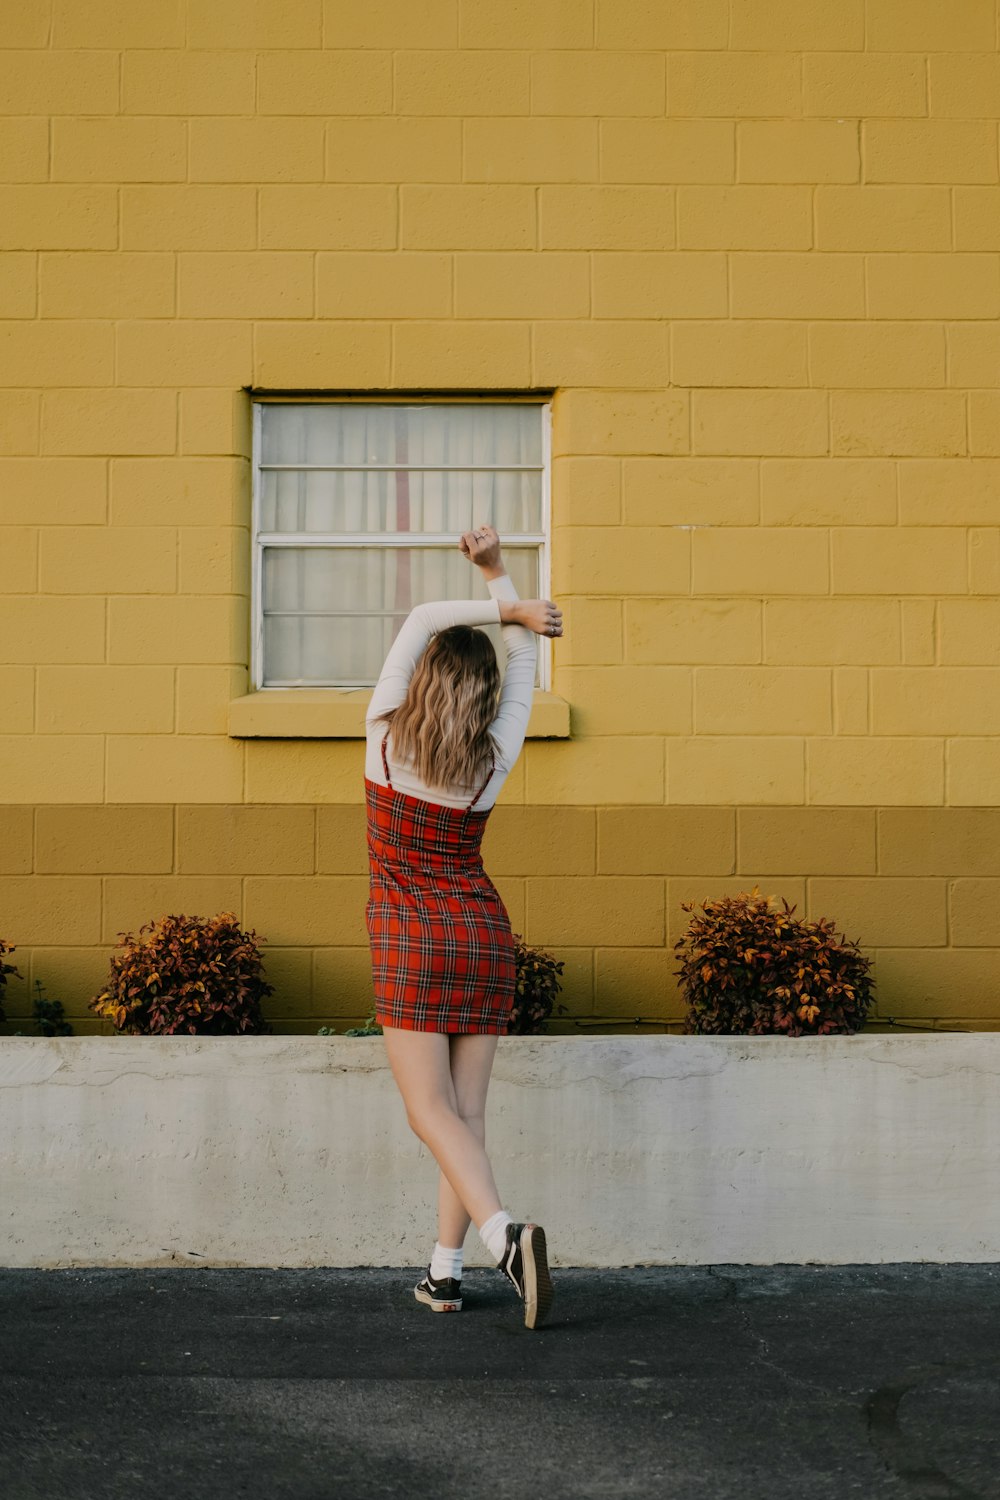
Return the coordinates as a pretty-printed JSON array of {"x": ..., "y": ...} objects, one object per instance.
[{"x": 725, "y": 1382}]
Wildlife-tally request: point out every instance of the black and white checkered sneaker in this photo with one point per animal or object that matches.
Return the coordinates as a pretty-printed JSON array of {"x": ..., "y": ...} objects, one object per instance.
[
  {"x": 525, "y": 1264},
  {"x": 440, "y": 1296}
]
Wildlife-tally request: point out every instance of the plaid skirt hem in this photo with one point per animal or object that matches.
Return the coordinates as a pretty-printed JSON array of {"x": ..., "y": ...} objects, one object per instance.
[{"x": 469, "y": 1029}]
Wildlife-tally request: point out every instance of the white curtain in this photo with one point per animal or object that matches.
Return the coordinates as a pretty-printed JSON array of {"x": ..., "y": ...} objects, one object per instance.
[{"x": 331, "y": 612}]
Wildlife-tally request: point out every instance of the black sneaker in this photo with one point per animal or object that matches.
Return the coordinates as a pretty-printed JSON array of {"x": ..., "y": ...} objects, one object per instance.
[
  {"x": 440, "y": 1296},
  {"x": 525, "y": 1264}
]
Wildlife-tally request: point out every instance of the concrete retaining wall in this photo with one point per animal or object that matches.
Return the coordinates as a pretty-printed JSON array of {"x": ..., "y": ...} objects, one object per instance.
[{"x": 295, "y": 1151}]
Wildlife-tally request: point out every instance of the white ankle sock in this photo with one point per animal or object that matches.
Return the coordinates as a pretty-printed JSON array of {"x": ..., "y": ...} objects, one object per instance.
[
  {"x": 493, "y": 1232},
  {"x": 446, "y": 1262}
]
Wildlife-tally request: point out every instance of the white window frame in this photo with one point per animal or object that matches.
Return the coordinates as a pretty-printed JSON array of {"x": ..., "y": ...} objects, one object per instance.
[{"x": 260, "y": 539}]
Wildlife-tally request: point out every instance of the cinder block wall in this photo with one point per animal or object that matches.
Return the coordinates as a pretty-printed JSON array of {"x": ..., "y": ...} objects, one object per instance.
[{"x": 755, "y": 247}]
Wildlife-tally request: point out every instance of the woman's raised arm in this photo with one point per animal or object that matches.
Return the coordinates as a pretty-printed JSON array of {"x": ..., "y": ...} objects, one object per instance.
[
  {"x": 521, "y": 621},
  {"x": 423, "y": 621},
  {"x": 510, "y": 723}
]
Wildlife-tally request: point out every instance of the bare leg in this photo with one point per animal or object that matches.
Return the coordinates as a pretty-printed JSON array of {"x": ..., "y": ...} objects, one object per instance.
[
  {"x": 420, "y": 1063},
  {"x": 471, "y": 1063}
]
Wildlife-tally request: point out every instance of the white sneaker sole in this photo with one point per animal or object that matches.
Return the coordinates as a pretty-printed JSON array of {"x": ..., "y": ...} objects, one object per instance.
[
  {"x": 538, "y": 1290},
  {"x": 438, "y": 1304}
]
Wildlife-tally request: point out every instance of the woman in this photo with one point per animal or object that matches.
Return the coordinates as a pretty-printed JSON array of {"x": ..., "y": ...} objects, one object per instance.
[{"x": 442, "y": 736}]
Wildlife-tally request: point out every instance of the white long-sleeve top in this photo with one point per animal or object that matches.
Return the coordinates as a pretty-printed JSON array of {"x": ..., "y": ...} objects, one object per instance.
[{"x": 508, "y": 726}]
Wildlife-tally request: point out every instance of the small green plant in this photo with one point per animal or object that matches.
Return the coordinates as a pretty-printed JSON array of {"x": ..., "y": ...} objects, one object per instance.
[
  {"x": 6, "y": 969},
  {"x": 536, "y": 985},
  {"x": 753, "y": 969},
  {"x": 48, "y": 1015},
  {"x": 370, "y": 1028},
  {"x": 200, "y": 975}
]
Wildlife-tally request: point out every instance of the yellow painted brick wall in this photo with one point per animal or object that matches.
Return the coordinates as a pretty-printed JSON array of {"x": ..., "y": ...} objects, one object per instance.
[{"x": 754, "y": 247}]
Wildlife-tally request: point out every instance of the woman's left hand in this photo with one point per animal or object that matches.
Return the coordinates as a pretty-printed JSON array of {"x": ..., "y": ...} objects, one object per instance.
[{"x": 481, "y": 546}]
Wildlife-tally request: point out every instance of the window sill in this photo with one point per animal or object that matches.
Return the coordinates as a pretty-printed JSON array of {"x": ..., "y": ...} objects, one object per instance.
[{"x": 339, "y": 714}]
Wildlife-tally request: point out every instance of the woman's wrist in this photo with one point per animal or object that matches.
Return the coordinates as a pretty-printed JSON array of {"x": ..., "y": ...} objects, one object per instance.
[
  {"x": 492, "y": 570},
  {"x": 509, "y": 611}
]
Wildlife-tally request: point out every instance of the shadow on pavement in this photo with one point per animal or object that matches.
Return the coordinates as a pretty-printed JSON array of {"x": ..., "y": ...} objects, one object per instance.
[{"x": 693, "y": 1383}]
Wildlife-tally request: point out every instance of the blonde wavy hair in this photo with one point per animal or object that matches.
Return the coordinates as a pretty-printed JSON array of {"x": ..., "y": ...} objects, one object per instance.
[{"x": 441, "y": 728}]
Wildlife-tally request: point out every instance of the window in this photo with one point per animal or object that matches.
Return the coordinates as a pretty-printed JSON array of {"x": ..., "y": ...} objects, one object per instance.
[{"x": 357, "y": 509}]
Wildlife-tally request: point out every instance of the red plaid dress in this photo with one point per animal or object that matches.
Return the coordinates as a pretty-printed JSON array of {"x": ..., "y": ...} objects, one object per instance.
[{"x": 441, "y": 939}]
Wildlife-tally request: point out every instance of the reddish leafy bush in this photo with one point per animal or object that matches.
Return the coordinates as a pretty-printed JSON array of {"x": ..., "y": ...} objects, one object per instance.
[
  {"x": 752, "y": 969},
  {"x": 536, "y": 987},
  {"x": 5, "y": 969},
  {"x": 200, "y": 975}
]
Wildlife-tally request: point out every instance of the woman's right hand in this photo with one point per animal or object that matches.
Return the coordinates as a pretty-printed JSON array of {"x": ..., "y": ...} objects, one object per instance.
[
  {"x": 539, "y": 615},
  {"x": 482, "y": 547}
]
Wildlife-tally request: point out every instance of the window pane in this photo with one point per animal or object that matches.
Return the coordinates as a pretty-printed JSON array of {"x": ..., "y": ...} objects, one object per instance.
[
  {"x": 331, "y": 613},
  {"x": 438, "y": 434},
  {"x": 395, "y": 501}
]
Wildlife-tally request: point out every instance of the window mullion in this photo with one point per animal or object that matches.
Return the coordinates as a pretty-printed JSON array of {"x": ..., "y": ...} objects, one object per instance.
[{"x": 375, "y": 539}]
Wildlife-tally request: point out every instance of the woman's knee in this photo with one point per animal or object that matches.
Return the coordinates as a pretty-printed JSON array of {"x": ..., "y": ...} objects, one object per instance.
[
  {"x": 425, "y": 1116},
  {"x": 425, "y": 1119},
  {"x": 476, "y": 1121}
]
